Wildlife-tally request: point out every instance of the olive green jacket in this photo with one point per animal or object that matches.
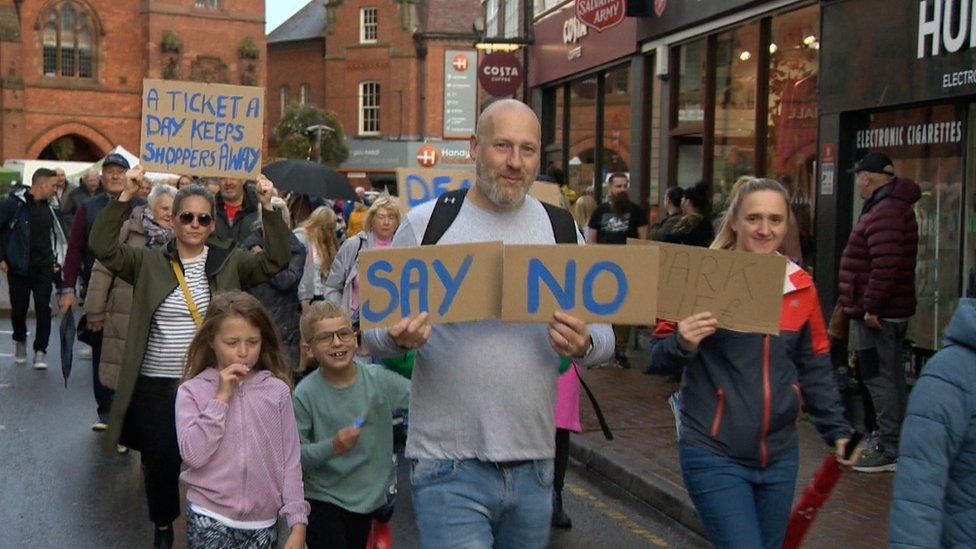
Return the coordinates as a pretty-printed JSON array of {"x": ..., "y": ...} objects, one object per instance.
[{"x": 150, "y": 273}]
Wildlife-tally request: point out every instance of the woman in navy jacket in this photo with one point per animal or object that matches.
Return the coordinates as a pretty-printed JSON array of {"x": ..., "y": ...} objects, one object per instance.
[{"x": 741, "y": 394}]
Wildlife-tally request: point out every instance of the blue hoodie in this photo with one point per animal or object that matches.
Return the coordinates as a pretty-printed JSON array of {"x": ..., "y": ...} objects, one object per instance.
[{"x": 934, "y": 502}]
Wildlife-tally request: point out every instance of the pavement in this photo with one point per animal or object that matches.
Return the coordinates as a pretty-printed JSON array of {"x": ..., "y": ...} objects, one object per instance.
[{"x": 643, "y": 459}]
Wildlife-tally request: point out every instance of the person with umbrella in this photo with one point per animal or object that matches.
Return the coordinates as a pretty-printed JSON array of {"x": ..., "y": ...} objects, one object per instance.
[
  {"x": 741, "y": 394},
  {"x": 172, "y": 288},
  {"x": 342, "y": 285}
]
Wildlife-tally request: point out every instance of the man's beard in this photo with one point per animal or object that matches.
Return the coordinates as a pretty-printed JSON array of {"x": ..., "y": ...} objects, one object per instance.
[
  {"x": 487, "y": 182},
  {"x": 620, "y": 203}
]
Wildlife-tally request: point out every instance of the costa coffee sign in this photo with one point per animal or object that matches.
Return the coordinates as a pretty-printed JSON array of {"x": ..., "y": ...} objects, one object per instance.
[
  {"x": 500, "y": 74},
  {"x": 601, "y": 14}
]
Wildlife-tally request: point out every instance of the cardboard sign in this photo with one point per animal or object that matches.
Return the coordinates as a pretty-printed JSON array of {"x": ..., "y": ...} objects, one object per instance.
[
  {"x": 743, "y": 290},
  {"x": 420, "y": 185},
  {"x": 550, "y": 193},
  {"x": 454, "y": 283},
  {"x": 597, "y": 283},
  {"x": 190, "y": 128}
]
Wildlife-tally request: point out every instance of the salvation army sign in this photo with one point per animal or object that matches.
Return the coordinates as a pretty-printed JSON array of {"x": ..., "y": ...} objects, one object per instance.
[
  {"x": 500, "y": 73},
  {"x": 601, "y": 14}
]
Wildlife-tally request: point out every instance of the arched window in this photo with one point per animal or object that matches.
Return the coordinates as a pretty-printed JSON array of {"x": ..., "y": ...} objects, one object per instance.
[{"x": 68, "y": 41}]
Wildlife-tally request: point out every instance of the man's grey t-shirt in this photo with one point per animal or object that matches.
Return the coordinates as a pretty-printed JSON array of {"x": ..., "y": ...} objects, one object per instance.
[{"x": 484, "y": 390}]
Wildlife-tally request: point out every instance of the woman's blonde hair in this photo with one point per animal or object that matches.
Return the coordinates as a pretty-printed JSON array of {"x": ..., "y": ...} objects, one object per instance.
[
  {"x": 583, "y": 210},
  {"x": 725, "y": 239},
  {"x": 320, "y": 228},
  {"x": 236, "y": 304},
  {"x": 388, "y": 203}
]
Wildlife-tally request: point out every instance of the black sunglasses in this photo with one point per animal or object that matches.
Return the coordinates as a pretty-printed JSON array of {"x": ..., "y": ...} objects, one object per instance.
[{"x": 203, "y": 219}]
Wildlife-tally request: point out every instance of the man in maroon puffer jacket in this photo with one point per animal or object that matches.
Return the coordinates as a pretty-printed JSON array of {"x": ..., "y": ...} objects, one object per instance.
[{"x": 877, "y": 291}]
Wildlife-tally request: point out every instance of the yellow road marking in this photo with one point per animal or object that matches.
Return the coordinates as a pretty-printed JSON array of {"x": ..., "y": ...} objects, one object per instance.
[{"x": 617, "y": 516}]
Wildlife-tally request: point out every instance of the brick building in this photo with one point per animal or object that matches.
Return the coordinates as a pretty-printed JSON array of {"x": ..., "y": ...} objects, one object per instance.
[
  {"x": 380, "y": 66},
  {"x": 71, "y": 70}
]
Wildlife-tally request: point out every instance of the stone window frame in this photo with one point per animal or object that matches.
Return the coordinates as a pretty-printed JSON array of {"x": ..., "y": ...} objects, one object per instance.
[
  {"x": 369, "y": 108},
  {"x": 84, "y": 31}
]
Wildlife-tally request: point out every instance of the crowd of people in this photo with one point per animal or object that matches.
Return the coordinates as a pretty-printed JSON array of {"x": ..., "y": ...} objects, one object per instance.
[{"x": 225, "y": 344}]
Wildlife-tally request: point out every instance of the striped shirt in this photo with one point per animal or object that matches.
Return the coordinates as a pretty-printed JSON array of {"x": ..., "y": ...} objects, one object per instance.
[{"x": 172, "y": 326}]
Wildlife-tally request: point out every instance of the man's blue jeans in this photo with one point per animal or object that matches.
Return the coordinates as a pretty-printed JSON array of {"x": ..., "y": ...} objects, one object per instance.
[
  {"x": 741, "y": 507},
  {"x": 471, "y": 504}
]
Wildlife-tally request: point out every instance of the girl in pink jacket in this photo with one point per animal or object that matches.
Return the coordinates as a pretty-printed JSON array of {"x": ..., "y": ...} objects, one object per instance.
[{"x": 236, "y": 431}]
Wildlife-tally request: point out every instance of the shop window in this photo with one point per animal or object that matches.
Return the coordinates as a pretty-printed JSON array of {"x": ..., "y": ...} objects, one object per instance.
[
  {"x": 616, "y": 122},
  {"x": 688, "y": 120},
  {"x": 791, "y": 134},
  {"x": 581, "y": 171},
  {"x": 929, "y": 151},
  {"x": 735, "y": 106},
  {"x": 68, "y": 48},
  {"x": 369, "y": 108},
  {"x": 367, "y": 25}
]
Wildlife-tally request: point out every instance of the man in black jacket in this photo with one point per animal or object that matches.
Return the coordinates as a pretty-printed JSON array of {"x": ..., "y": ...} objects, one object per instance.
[
  {"x": 32, "y": 240},
  {"x": 237, "y": 210}
]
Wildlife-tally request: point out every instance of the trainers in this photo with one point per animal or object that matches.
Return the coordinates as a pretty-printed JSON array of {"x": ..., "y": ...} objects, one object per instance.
[
  {"x": 874, "y": 460},
  {"x": 99, "y": 426},
  {"x": 20, "y": 352},
  {"x": 622, "y": 360},
  {"x": 39, "y": 360},
  {"x": 119, "y": 449},
  {"x": 84, "y": 352}
]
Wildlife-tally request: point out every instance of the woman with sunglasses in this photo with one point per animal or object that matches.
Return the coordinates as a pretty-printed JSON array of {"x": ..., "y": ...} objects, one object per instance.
[
  {"x": 109, "y": 300},
  {"x": 172, "y": 286}
]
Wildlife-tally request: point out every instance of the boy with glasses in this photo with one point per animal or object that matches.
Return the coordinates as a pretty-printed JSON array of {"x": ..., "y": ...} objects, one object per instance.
[{"x": 344, "y": 414}]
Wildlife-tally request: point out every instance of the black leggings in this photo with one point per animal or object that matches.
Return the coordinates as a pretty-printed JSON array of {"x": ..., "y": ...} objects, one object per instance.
[
  {"x": 332, "y": 527},
  {"x": 150, "y": 428},
  {"x": 562, "y": 460}
]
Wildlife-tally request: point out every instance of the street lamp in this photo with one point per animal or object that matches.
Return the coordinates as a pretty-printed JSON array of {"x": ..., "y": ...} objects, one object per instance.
[{"x": 318, "y": 129}]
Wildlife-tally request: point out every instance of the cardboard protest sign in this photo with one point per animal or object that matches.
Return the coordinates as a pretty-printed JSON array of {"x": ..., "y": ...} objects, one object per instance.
[
  {"x": 420, "y": 185},
  {"x": 743, "y": 290},
  {"x": 191, "y": 128},
  {"x": 454, "y": 283},
  {"x": 550, "y": 193},
  {"x": 598, "y": 283}
]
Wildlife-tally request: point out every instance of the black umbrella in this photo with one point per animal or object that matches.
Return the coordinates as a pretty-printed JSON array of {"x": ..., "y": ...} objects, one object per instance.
[
  {"x": 311, "y": 178},
  {"x": 68, "y": 330}
]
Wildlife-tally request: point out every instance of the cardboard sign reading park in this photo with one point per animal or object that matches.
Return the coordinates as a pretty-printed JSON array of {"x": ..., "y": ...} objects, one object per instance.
[
  {"x": 419, "y": 185},
  {"x": 453, "y": 282},
  {"x": 743, "y": 290},
  {"x": 191, "y": 128},
  {"x": 597, "y": 283}
]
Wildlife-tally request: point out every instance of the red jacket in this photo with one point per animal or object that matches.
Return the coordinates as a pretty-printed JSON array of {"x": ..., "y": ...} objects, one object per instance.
[{"x": 877, "y": 268}]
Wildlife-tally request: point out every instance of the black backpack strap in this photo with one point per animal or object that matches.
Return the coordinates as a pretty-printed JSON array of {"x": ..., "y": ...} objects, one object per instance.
[
  {"x": 563, "y": 224},
  {"x": 445, "y": 212},
  {"x": 596, "y": 407}
]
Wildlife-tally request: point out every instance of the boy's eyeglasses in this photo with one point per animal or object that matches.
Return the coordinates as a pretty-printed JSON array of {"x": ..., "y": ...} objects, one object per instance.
[
  {"x": 345, "y": 335},
  {"x": 203, "y": 219}
]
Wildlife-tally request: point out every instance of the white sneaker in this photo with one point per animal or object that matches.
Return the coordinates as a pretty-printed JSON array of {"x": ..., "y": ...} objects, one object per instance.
[
  {"x": 84, "y": 352},
  {"x": 99, "y": 426},
  {"x": 20, "y": 352},
  {"x": 39, "y": 360},
  {"x": 121, "y": 450}
]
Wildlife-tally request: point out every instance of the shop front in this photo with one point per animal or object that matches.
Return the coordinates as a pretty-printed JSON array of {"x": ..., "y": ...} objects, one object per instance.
[
  {"x": 736, "y": 82},
  {"x": 905, "y": 85},
  {"x": 372, "y": 163},
  {"x": 589, "y": 83}
]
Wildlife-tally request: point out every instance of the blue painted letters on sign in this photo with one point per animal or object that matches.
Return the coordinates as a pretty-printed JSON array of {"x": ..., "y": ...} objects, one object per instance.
[
  {"x": 565, "y": 294},
  {"x": 414, "y": 278},
  {"x": 420, "y": 189}
]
